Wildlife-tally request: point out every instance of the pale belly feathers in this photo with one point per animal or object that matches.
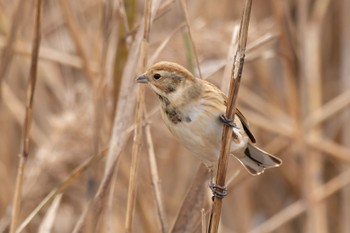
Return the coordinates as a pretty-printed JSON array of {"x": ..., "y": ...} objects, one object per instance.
[{"x": 201, "y": 132}]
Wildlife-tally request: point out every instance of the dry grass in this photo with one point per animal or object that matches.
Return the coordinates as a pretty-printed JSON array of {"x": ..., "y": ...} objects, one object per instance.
[
  {"x": 236, "y": 76},
  {"x": 295, "y": 92}
]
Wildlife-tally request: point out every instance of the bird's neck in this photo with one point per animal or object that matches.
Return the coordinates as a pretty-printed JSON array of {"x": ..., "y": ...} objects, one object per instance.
[
  {"x": 175, "y": 106},
  {"x": 182, "y": 96}
]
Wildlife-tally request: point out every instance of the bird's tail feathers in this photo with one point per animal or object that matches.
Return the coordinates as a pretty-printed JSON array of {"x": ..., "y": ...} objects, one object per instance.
[{"x": 256, "y": 160}]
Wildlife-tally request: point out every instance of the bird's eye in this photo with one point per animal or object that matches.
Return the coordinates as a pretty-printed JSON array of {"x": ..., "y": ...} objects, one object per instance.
[{"x": 156, "y": 76}]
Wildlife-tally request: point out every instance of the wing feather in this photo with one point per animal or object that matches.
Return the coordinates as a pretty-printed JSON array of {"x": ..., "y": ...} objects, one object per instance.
[
  {"x": 238, "y": 113},
  {"x": 245, "y": 125}
]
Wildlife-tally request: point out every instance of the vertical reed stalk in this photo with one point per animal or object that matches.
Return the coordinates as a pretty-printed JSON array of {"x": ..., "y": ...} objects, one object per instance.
[
  {"x": 28, "y": 118},
  {"x": 230, "y": 114},
  {"x": 316, "y": 214},
  {"x": 156, "y": 181},
  {"x": 140, "y": 105}
]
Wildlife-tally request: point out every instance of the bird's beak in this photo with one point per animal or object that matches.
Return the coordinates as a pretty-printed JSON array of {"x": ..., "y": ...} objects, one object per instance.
[{"x": 142, "y": 79}]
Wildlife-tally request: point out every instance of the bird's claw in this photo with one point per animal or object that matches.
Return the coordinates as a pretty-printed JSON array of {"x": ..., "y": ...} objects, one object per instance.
[
  {"x": 227, "y": 121},
  {"x": 218, "y": 190}
]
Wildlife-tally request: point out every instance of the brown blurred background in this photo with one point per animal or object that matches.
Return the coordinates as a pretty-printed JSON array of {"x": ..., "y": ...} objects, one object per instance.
[{"x": 295, "y": 93}]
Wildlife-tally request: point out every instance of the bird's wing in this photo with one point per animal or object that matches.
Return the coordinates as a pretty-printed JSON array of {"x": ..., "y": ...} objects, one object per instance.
[
  {"x": 245, "y": 125},
  {"x": 238, "y": 113}
]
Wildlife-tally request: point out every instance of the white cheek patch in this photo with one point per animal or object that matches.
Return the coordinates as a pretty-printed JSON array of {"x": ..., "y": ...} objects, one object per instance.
[
  {"x": 157, "y": 91},
  {"x": 176, "y": 96}
]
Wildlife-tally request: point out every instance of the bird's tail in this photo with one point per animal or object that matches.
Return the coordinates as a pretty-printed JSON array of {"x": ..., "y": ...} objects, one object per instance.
[{"x": 256, "y": 160}]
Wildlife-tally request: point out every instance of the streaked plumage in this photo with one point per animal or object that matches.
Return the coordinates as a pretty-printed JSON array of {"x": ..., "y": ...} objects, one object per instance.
[{"x": 191, "y": 110}]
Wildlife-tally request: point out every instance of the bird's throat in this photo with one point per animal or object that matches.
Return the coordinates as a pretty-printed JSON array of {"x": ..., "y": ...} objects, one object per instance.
[
  {"x": 164, "y": 100},
  {"x": 170, "y": 111}
]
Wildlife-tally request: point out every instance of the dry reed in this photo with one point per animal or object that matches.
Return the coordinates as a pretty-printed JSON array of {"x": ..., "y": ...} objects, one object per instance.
[
  {"x": 236, "y": 74},
  {"x": 295, "y": 94},
  {"x": 23, "y": 157},
  {"x": 139, "y": 117}
]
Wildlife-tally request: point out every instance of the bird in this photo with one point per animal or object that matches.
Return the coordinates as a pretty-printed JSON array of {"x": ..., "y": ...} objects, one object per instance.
[{"x": 194, "y": 109}]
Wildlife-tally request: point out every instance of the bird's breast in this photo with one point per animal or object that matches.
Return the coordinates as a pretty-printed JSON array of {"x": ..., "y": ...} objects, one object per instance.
[
  {"x": 173, "y": 115},
  {"x": 198, "y": 130}
]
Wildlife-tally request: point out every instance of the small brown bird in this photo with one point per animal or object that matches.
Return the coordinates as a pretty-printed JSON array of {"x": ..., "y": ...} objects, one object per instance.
[{"x": 193, "y": 110}]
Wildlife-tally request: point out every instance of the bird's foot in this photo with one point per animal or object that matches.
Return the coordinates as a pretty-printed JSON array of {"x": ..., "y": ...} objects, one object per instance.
[
  {"x": 227, "y": 121},
  {"x": 218, "y": 190}
]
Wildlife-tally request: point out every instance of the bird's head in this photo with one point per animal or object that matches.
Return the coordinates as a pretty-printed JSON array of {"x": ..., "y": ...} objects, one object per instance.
[{"x": 168, "y": 79}]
